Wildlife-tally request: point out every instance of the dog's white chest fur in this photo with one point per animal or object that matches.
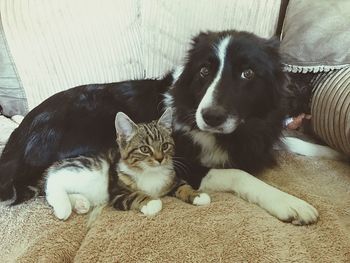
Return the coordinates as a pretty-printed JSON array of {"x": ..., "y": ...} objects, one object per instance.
[
  {"x": 211, "y": 155},
  {"x": 151, "y": 181}
]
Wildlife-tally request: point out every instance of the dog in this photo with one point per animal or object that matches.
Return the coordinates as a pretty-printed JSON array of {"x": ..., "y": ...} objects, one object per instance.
[{"x": 229, "y": 100}]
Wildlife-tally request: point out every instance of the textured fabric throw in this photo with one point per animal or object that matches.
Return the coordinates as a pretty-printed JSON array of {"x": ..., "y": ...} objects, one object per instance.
[{"x": 228, "y": 230}]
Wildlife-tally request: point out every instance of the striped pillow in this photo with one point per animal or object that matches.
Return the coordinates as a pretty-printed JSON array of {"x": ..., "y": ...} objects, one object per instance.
[{"x": 331, "y": 109}]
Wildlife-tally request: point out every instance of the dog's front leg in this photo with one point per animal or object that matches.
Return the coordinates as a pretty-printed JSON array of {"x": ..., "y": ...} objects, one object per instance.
[{"x": 284, "y": 206}]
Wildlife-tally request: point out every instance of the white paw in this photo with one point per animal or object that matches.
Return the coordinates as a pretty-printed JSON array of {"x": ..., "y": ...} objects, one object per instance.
[
  {"x": 202, "y": 199},
  {"x": 152, "y": 207},
  {"x": 62, "y": 211},
  {"x": 293, "y": 210},
  {"x": 82, "y": 205}
]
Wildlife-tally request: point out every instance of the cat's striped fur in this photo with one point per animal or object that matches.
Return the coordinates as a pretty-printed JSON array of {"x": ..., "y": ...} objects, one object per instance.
[{"x": 132, "y": 175}]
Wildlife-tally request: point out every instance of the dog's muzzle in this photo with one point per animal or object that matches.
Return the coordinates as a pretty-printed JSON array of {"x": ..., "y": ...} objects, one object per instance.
[{"x": 216, "y": 120}]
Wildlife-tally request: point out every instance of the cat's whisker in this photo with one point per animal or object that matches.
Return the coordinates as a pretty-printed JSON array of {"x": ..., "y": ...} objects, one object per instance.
[
  {"x": 181, "y": 163},
  {"x": 181, "y": 166},
  {"x": 178, "y": 157},
  {"x": 174, "y": 160},
  {"x": 180, "y": 169}
]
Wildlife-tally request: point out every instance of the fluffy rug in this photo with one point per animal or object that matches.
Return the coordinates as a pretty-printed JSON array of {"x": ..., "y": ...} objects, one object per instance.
[{"x": 228, "y": 230}]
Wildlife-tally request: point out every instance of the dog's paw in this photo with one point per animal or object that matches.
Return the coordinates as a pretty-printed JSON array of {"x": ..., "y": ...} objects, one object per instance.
[
  {"x": 152, "y": 207},
  {"x": 81, "y": 205},
  {"x": 293, "y": 210},
  {"x": 202, "y": 199}
]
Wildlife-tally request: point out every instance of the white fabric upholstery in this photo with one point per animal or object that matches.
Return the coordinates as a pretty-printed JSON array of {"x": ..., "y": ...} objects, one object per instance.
[
  {"x": 60, "y": 44},
  {"x": 7, "y": 126}
]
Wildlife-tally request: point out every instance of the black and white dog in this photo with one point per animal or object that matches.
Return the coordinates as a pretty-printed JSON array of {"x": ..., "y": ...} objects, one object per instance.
[{"x": 229, "y": 101}]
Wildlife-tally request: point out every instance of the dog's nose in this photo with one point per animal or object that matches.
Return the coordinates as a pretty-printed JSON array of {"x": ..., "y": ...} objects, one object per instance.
[{"x": 214, "y": 116}]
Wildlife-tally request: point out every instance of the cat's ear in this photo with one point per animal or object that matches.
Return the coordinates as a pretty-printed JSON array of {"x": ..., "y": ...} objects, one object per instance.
[
  {"x": 166, "y": 119},
  {"x": 124, "y": 126}
]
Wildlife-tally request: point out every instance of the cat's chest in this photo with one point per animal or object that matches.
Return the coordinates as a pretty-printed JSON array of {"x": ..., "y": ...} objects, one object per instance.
[{"x": 155, "y": 182}]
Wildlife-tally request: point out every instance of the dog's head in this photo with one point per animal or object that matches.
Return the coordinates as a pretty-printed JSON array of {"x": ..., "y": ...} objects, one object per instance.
[{"x": 229, "y": 77}]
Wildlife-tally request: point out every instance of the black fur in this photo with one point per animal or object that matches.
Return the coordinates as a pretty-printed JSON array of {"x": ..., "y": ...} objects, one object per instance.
[
  {"x": 80, "y": 121},
  {"x": 260, "y": 102}
]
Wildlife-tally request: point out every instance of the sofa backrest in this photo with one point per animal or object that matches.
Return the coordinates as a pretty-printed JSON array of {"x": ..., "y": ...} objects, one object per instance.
[{"x": 56, "y": 45}]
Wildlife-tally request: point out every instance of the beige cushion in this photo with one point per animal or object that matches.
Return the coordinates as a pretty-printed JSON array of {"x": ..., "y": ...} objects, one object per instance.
[
  {"x": 316, "y": 35},
  {"x": 60, "y": 44},
  {"x": 331, "y": 109}
]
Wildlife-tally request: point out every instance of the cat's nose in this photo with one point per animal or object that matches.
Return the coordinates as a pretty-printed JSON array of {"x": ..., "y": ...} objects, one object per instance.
[{"x": 159, "y": 159}]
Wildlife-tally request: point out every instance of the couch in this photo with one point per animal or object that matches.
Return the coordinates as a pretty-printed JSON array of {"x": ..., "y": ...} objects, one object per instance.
[{"x": 49, "y": 46}]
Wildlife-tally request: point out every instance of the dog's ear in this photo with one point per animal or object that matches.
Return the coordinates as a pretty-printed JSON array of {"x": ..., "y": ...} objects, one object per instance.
[
  {"x": 202, "y": 36},
  {"x": 273, "y": 43}
]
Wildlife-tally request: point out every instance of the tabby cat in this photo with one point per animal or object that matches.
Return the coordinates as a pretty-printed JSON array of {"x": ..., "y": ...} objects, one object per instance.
[{"x": 132, "y": 175}]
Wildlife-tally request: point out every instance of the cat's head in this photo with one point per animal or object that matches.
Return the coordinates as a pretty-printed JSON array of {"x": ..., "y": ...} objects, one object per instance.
[{"x": 146, "y": 144}]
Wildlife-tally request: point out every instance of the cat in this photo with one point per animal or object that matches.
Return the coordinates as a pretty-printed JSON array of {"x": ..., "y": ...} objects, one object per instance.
[{"x": 132, "y": 175}]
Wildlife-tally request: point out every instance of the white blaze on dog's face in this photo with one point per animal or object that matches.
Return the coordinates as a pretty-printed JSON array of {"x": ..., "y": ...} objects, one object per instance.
[{"x": 209, "y": 116}]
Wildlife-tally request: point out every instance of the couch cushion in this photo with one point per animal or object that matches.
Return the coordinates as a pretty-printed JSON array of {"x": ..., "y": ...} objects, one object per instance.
[
  {"x": 12, "y": 97},
  {"x": 315, "y": 35},
  {"x": 60, "y": 44}
]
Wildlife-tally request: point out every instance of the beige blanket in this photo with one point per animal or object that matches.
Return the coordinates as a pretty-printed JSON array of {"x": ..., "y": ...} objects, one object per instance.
[{"x": 229, "y": 230}]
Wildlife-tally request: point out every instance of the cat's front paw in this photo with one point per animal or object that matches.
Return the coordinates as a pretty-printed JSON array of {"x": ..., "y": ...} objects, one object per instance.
[
  {"x": 152, "y": 207},
  {"x": 202, "y": 199}
]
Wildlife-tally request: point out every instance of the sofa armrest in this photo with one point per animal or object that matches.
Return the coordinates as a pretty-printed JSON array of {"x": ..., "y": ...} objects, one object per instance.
[
  {"x": 330, "y": 109},
  {"x": 7, "y": 126}
]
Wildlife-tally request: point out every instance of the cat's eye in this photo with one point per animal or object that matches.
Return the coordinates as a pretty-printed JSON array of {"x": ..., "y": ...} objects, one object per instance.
[
  {"x": 247, "y": 74},
  {"x": 145, "y": 149},
  {"x": 165, "y": 146},
  {"x": 204, "y": 71}
]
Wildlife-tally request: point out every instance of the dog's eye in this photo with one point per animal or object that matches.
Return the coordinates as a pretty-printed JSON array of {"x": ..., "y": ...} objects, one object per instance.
[
  {"x": 204, "y": 72},
  {"x": 247, "y": 74},
  {"x": 145, "y": 149}
]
